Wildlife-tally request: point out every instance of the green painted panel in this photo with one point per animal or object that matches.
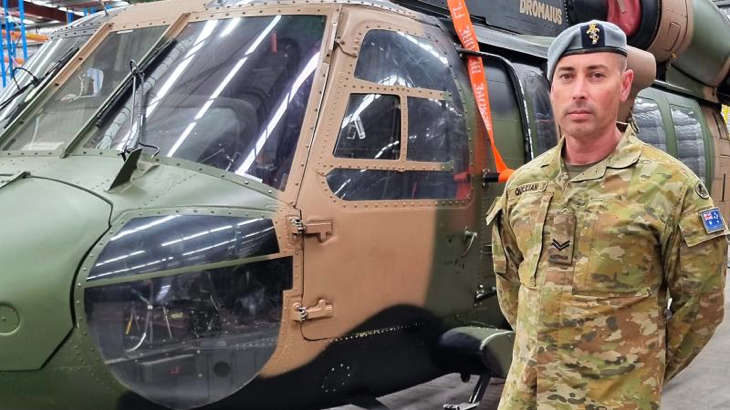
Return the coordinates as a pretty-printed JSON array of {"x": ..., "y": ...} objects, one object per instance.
[
  {"x": 707, "y": 46},
  {"x": 40, "y": 250}
]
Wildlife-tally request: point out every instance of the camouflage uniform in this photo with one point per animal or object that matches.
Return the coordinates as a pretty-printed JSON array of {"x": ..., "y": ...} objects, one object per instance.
[{"x": 585, "y": 268}]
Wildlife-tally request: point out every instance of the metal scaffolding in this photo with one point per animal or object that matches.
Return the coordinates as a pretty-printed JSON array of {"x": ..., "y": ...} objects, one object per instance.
[{"x": 10, "y": 41}]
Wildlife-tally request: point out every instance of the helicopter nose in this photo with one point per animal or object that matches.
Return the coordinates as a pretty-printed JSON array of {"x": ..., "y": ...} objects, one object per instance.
[{"x": 38, "y": 264}]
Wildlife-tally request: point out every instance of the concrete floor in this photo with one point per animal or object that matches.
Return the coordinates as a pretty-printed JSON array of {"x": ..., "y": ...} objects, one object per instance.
[{"x": 704, "y": 385}]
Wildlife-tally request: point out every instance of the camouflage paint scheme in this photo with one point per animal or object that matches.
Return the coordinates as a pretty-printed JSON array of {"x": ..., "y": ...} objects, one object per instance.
[
  {"x": 389, "y": 302},
  {"x": 383, "y": 338},
  {"x": 585, "y": 268}
]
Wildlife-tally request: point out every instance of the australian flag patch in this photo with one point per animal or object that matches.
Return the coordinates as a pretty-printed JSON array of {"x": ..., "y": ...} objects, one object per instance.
[{"x": 712, "y": 220}]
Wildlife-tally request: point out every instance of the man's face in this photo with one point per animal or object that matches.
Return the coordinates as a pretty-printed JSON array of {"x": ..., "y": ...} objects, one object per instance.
[{"x": 586, "y": 92}]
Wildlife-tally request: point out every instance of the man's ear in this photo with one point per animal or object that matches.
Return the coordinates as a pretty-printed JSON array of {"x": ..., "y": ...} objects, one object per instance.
[{"x": 627, "y": 78}]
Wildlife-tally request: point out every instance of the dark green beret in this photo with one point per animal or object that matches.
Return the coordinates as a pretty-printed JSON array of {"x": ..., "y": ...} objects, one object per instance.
[{"x": 594, "y": 36}]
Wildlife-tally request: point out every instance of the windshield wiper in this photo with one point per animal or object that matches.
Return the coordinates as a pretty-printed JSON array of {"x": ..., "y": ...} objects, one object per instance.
[
  {"x": 153, "y": 59},
  {"x": 138, "y": 77},
  {"x": 60, "y": 63}
]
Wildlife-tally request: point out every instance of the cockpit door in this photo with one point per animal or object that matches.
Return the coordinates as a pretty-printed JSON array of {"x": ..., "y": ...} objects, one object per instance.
[{"x": 391, "y": 197}]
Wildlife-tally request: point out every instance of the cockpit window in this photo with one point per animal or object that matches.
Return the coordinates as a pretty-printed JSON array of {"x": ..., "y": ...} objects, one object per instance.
[
  {"x": 61, "y": 117},
  {"x": 371, "y": 128},
  {"x": 436, "y": 127},
  {"x": 539, "y": 108},
  {"x": 397, "y": 58},
  {"x": 231, "y": 94},
  {"x": 437, "y": 133},
  {"x": 38, "y": 64}
]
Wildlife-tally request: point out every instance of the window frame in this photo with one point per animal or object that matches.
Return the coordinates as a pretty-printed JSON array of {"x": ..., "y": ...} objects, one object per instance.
[
  {"x": 402, "y": 163},
  {"x": 66, "y": 73},
  {"x": 349, "y": 85},
  {"x": 708, "y": 147},
  {"x": 312, "y": 114},
  {"x": 654, "y": 100},
  {"x": 521, "y": 70},
  {"x": 518, "y": 92},
  {"x": 665, "y": 99},
  {"x": 400, "y": 135}
]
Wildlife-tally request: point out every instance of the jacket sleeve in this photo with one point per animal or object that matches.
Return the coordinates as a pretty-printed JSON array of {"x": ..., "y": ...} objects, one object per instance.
[
  {"x": 506, "y": 258},
  {"x": 695, "y": 267}
]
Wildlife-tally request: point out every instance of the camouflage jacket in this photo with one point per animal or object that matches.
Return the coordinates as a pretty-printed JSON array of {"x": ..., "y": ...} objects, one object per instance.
[{"x": 585, "y": 268}]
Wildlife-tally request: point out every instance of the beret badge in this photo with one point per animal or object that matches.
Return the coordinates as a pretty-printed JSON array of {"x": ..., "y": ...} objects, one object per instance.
[{"x": 593, "y": 32}]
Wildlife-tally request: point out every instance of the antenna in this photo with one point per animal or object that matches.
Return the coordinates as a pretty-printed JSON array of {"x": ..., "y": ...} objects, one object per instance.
[{"x": 103, "y": 7}]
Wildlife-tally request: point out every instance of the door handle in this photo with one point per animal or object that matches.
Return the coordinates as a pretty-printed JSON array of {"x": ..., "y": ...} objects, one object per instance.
[
  {"x": 321, "y": 310},
  {"x": 469, "y": 237}
]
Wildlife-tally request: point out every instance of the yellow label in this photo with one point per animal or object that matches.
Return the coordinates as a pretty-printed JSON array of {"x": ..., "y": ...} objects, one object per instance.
[{"x": 542, "y": 11}]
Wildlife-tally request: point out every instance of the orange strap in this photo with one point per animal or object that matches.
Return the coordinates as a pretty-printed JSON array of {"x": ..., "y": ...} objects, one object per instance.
[{"x": 468, "y": 36}]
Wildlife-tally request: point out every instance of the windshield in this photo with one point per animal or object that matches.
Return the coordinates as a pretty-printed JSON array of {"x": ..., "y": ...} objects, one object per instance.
[
  {"x": 231, "y": 94},
  {"x": 38, "y": 64},
  {"x": 61, "y": 117}
]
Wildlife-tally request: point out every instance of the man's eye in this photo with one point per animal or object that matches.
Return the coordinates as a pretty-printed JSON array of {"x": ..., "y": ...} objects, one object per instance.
[{"x": 597, "y": 75}]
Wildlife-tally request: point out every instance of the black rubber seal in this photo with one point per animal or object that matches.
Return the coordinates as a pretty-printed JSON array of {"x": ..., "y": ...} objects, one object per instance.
[{"x": 650, "y": 18}]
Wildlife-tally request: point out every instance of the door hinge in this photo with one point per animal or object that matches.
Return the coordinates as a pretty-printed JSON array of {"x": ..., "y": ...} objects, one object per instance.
[
  {"x": 320, "y": 228},
  {"x": 321, "y": 310}
]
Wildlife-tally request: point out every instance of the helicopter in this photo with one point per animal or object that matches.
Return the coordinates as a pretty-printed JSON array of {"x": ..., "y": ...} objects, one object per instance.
[{"x": 227, "y": 204}]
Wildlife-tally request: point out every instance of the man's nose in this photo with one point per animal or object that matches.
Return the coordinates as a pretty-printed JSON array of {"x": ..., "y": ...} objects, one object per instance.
[{"x": 579, "y": 88}]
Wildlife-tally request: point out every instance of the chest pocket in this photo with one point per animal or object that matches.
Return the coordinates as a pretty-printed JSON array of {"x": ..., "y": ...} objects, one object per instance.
[
  {"x": 527, "y": 220},
  {"x": 620, "y": 244}
]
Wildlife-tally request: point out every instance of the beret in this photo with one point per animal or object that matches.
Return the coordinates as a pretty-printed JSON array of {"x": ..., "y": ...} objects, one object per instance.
[{"x": 594, "y": 36}]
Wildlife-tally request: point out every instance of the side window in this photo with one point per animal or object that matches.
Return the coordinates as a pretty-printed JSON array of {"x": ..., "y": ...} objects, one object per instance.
[
  {"x": 649, "y": 120},
  {"x": 377, "y": 185},
  {"x": 396, "y": 58},
  {"x": 437, "y": 133},
  {"x": 371, "y": 128},
  {"x": 540, "y": 110},
  {"x": 507, "y": 116},
  {"x": 690, "y": 145},
  {"x": 436, "y": 124}
]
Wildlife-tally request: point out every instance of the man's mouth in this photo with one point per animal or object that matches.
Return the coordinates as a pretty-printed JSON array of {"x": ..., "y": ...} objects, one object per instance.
[
  {"x": 578, "y": 115},
  {"x": 579, "y": 112}
]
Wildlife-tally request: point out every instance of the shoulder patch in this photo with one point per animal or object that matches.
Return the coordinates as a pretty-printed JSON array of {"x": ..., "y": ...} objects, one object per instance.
[
  {"x": 701, "y": 190},
  {"x": 529, "y": 187},
  {"x": 712, "y": 220}
]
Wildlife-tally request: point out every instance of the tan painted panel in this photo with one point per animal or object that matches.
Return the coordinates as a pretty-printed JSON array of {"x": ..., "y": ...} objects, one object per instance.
[
  {"x": 720, "y": 188},
  {"x": 675, "y": 31},
  {"x": 643, "y": 64},
  {"x": 156, "y": 13},
  {"x": 381, "y": 255}
]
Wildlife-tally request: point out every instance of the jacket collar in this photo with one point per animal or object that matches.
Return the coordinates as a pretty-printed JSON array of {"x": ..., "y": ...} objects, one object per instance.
[{"x": 626, "y": 154}]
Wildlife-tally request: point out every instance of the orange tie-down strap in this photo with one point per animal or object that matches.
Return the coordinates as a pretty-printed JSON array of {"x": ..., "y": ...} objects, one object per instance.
[{"x": 467, "y": 35}]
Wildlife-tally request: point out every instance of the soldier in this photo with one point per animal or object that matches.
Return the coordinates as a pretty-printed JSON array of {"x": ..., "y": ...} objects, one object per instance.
[{"x": 593, "y": 238}]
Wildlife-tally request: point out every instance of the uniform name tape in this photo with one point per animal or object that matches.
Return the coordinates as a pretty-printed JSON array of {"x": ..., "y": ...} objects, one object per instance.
[{"x": 477, "y": 75}]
